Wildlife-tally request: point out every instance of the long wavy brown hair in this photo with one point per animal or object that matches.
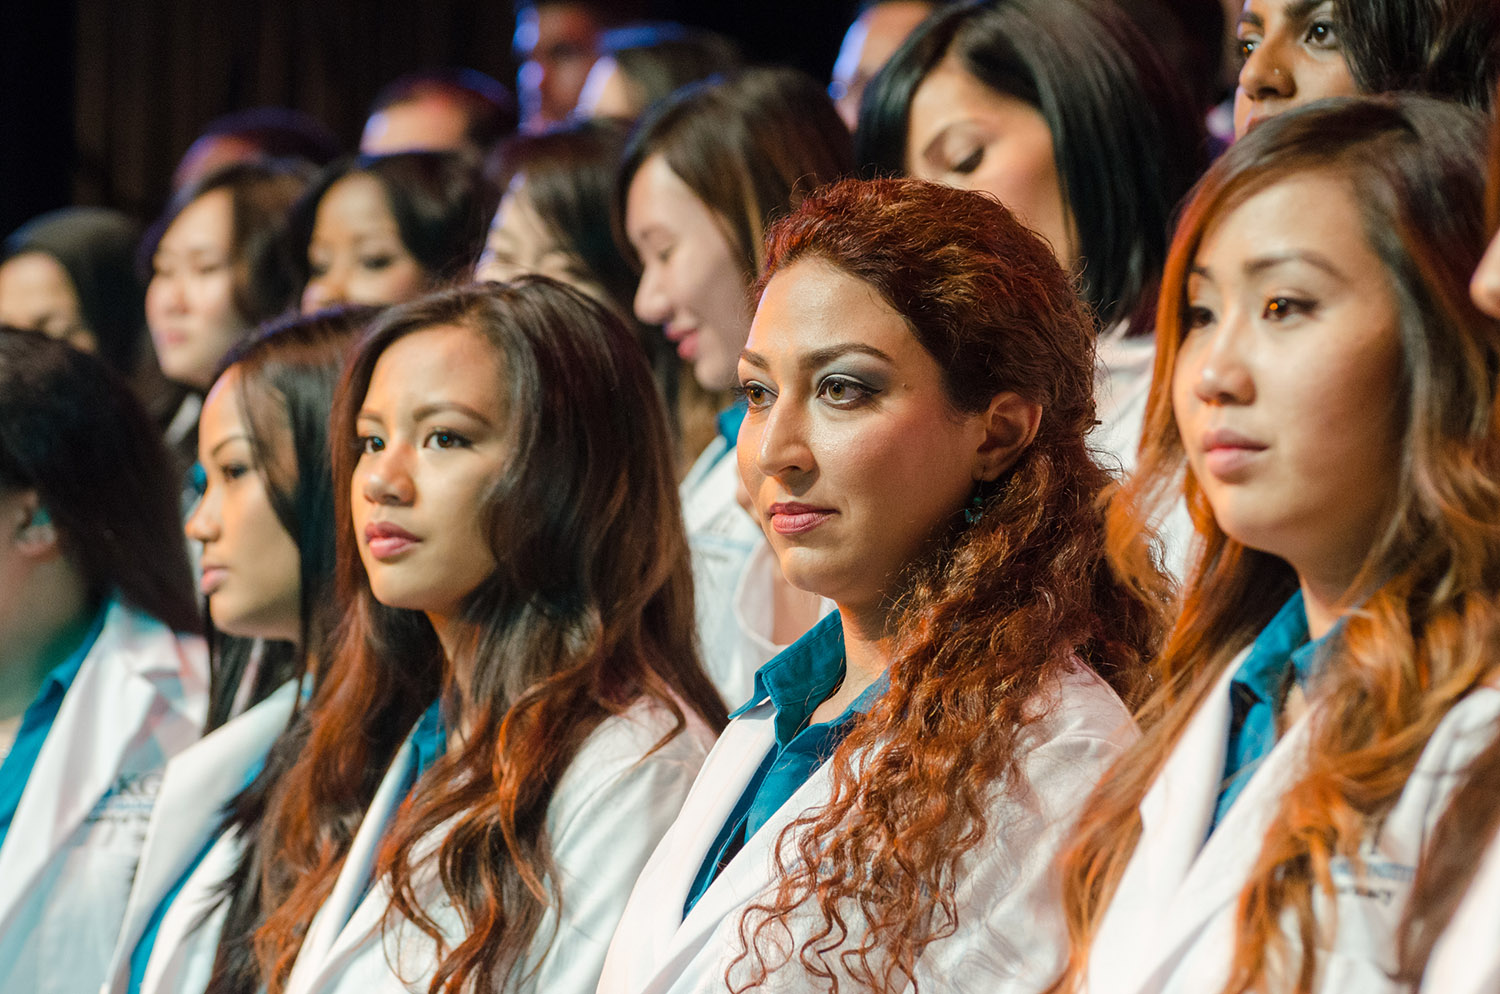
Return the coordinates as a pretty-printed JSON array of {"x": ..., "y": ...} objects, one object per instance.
[
  {"x": 1428, "y": 629},
  {"x": 993, "y": 615},
  {"x": 1462, "y": 836},
  {"x": 589, "y": 611}
]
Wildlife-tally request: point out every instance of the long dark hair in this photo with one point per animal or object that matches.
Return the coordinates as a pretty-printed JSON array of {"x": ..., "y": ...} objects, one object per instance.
[
  {"x": 1127, "y": 140},
  {"x": 589, "y": 610},
  {"x": 1426, "y": 632},
  {"x": 71, "y": 430},
  {"x": 287, "y": 378},
  {"x": 990, "y": 618},
  {"x": 1444, "y": 48}
]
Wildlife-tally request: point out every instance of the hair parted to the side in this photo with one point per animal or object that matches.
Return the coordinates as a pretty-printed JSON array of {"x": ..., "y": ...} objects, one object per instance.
[
  {"x": 750, "y": 147},
  {"x": 588, "y": 611},
  {"x": 439, "y": 200},
  {"x": 1468, "y": 827},
  {"x": 1428, "y": 628},
  {"x": 989, "y": 620},
  {"x": 1126, "y": 138},
  {"x": 71, "y": 430},
  {"x": 262, "y": 195}
]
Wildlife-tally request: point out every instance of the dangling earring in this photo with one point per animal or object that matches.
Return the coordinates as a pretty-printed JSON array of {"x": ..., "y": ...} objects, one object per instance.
[{"x": 975, "y": 510}]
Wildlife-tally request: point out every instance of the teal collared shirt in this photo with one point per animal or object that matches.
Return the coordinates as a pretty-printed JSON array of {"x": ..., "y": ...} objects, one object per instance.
[
  {"x": 1281, "y": 653},
  {"x": 796, "y": 682},
  {"x": 37, "y": 722}
]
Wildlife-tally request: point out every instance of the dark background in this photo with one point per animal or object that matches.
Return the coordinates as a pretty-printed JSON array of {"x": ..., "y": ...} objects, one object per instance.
[{"x": 99, "y": 98}]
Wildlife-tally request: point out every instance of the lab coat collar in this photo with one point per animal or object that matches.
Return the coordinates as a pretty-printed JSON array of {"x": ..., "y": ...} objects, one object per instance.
[
  {"x": 140, "y": 680},
  {"x": 1175, "y": 881},
  {"x": 197, "y": 786},
  {"x": 355, "y": 910}
]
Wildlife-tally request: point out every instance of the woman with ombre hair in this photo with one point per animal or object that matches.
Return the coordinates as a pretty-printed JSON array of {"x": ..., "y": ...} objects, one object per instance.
[
  {"x": 514, "y": 707},
  {"x": 886, "y": 810},
  {"x": 1331, "y": 389}
]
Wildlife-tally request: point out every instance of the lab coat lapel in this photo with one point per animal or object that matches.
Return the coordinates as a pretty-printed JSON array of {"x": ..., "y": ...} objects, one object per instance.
[
  {"x": 133, "y": 688},
  {"x": 1175, "y": 815},
  {"x": 726, "y": 772},
  {"x": 197, "y": 786},
  {"x": 354, "y": 909},
  {"x": 750, "y": 872}
]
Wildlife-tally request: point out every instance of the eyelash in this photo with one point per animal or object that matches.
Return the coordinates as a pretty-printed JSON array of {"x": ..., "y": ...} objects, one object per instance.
[
  {"x": 746, "y": 392},
  {"x": 233, "y": 471},
  {"x": 968, "y": 163},
  {"x": 1281, "y": 308},
  {"x": 455, "y": 440}
]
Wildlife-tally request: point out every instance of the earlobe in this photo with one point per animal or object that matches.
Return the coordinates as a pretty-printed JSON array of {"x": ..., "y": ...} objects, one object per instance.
[
  {"x": 1010, "y": 424},
  {"x": 36, "y": 535}
]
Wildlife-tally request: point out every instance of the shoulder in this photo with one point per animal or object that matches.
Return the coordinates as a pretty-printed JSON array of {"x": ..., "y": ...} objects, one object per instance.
[
  {"x": 1082, "y": 728},
  {"x": 632, "y": 746}
]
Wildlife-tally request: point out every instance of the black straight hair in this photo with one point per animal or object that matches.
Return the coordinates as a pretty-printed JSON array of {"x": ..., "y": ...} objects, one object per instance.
[
  {"x": 1126, "y": 137},
  {"x": 1444, "y": 48},
  {"x": 71, "y": 430}
]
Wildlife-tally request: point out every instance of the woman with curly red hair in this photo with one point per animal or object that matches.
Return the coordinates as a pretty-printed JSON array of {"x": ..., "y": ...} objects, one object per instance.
[
  {"x": 886, "y": 809},
  {"x": 1331, "y": 390}
]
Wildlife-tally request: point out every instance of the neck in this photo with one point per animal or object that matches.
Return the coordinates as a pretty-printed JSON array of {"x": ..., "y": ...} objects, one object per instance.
[
  {"x": 1323, "y": 598},
  {"x": 457, "y": 639},
  {"x": 27, "y": 657},
  {"x": 867, "y": 646}
]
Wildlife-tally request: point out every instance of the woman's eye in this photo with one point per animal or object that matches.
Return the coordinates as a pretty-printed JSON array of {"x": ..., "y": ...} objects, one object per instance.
[
  {"x": 1245, "y": 46},
  {"x": 1199, "y": 317},
  {"x": 970, "y": 162},
  {"x": 755, "y": 394},
  {"x": 377, "y": 262},
  {"x": 1281, "y": 308},
  {"x": 442, "y": 438},
  {"x": 370, "y": 443},
  {"x": 1322, "y": 34},
  {"x": 845, "y": 392},
  {"x": 317, "y": 270},
  {"x": 232, "y": 471}
]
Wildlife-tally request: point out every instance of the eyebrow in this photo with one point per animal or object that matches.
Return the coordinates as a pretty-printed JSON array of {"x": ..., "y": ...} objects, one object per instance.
[
  {"x": 1262, "y": 264},
  {"x": 225, "y": 441},
  {"x": 441, "y": 407},
  {"x": 1296, "y": 11},
  {"x": 821, "y": 357}
]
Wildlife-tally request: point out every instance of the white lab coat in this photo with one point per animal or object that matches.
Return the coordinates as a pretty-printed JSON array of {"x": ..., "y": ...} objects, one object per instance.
[
  {"x": 140, "y": 698},
  {"x": 1010, "y": 937},
  {"x": 607, "y": 814},
  {"x": 197, "y": 786},
  {"x": 722, "y": 537},
  {"x": 1122, "y": 387},
  {"x": 1170, "y": 926},
  {"x": 1466, "y": 958}
]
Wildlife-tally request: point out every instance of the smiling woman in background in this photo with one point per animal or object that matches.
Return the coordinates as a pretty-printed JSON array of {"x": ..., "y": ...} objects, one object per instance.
[{"x": 703, "y": 176}]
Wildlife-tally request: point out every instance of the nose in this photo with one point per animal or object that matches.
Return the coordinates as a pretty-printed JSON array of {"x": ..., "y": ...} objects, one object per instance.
[
  {"x": 202, "y": 525},
  {"x": 1218, "y": 366},
  {"x": 1485, "y": 287},
  {"x": 327, "y": 290},
  {"x": 1266, "y": 75},
  {"x": 652, "y": 306},
  {"x": 169, "y": 294},
  {"x": 387, "y": 476},
  {"x": 781, "y": 450}
]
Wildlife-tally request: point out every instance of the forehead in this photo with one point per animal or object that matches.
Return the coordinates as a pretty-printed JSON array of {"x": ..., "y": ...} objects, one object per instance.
[
  {"x": 1313, "y": 211},
  {"x": 221, "y": 416},
  {"x": 207, "y": 220},
  {"x": 813, "y": 304},
  {"x": 34, "y": 274},
  {"x": 434, "y": 365},
  {"x": 659, "y": 197},
  {"x": 356, "y": 201}
]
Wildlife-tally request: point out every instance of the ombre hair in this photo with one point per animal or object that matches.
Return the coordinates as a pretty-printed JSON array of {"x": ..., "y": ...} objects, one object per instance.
[
  {"x": 1427, "y": 628},
  {"x": 988, "y": 619},
  {"x": 588, "y": 611}
]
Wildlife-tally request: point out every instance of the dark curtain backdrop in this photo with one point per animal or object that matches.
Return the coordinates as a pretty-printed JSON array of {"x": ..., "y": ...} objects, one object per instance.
[{"x": 99, "y": 98}]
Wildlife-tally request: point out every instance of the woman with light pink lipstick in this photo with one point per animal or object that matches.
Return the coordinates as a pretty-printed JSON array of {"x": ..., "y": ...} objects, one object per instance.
[
  {"x": 886, "y": 810},
  {"x": 1332, "y": 391}
]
